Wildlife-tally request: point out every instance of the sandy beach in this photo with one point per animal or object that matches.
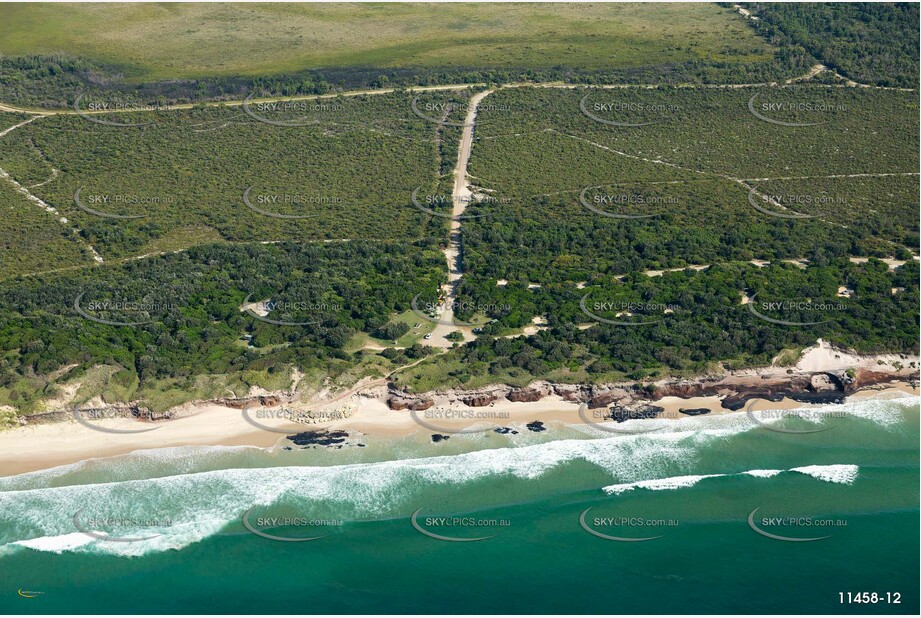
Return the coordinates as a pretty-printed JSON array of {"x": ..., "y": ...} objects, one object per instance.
[{"x": 39, "y": 447}]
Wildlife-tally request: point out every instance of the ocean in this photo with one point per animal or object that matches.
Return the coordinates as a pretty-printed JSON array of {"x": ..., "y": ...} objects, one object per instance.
[{"x": 710, "y": 514}]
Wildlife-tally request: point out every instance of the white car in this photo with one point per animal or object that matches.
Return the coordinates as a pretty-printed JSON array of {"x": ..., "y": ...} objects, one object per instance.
[{"x": 428, "y": 336}]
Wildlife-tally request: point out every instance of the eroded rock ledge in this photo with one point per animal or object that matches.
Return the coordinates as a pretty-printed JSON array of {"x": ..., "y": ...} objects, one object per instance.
[{"x": 735, "y": 390}]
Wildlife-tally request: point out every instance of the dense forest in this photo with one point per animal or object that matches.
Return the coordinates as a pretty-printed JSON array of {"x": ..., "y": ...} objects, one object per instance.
[
  {"x": 682, "y": 323},
  {"x": 181, "y": 315},
  {"x": 868, "y": 42}
]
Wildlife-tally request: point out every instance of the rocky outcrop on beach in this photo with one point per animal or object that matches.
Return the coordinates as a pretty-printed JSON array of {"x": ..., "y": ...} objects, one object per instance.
[
  {"x": 627, "y": 400},
  {"x": 239, "y": 403},
  {"x": 528, "y": 394},
  {"x": 694, "y": 411},
  {"x": 626, "y": 413},
  {"x": 405, "y": 401},
  {"x": 479, "y": 400},
  {"x": 330, "y": 438}
]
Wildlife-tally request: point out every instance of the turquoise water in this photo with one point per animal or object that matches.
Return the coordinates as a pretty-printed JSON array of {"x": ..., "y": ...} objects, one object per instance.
[{"x": 692, "y": 486}]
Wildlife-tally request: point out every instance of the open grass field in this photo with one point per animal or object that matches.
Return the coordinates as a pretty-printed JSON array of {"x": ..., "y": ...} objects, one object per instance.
[{"x": 168, "y": 41}]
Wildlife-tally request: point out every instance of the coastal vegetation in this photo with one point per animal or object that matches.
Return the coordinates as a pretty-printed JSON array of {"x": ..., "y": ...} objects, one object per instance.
[
  {"x": 241, "y": 311},
  {"x": 161, "y": 254},
  {"x": 682, "y": 323}
]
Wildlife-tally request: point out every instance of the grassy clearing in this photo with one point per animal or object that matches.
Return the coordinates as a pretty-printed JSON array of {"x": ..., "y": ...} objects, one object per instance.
[
  {"x": 167, "y": 41},
  {"x": 414, "y": 335}
]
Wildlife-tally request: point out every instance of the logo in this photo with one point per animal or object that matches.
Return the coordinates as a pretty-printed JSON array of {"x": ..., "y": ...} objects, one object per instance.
[
  {"x": 445, "y": 106},
  {"x": 789, "y": 521},
  {"x": 609, "y": 199},
  {"x": 454, "y": 522},
  {"x": 767, "y": 198},
  {"x": 434, "y": 199},
  {"x": 615, "y": 521},
  {"x": 610, "y": 107},
  {"x": 143, "y": 307},
  {"x": 791, "y": 305},
  {"x": 470, "y": 415},
  {"x": 298, "y": 122},
  {"x": 780, "y": 414},
  {"x": 612, "y": 306},
  {"x": 269, "y": 199},
  {"x": 104, "y": 413},
  {"x": 268, "y": 307},
  {"x": 105, "y": 107},
  {"x": 779, "y": 107},
  {"x": 283, "y": 413},
  {"x": 98, "y": 213},
  {"x": 281, "y": 521},
  {"x": 583, "y": 410},
  {"x": 105, "y": 537}
]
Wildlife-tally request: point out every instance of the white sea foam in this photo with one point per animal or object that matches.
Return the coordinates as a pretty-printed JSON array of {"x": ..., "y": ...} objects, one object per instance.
[
  {"x": 57, "y": 544},
  {"x": 762, "y": 474},
  {"x": 843, "y": 473},
  {"x": 200, "y": 503},
  {"x": 836, "y": 473},
  {"x": 673, "y": 482}
]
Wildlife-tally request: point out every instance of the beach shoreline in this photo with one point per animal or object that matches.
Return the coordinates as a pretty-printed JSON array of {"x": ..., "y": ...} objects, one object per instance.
[{"x": 44, "y": 446}]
